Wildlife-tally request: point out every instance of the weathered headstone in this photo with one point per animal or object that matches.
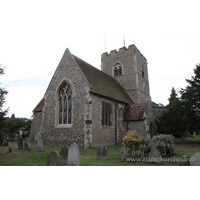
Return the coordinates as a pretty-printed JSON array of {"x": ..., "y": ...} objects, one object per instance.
[
  {"x": 10, "y": 150},
  {"x": 195, "y": 160},
  {"x": 102, "y": 152},
  {"x": 64, "y": 154},
  {"x": 40, "y": 145},
  {"x": 37, "y": 136},
  {"x": 154, "y": 154},
  {"x": 54, "y": 159},
  {"x": 5, "y": 141},
  {"x": 73, "y": 155},
  {"x": 26, "y": 143},
  {"x": 19, "y": 142}
]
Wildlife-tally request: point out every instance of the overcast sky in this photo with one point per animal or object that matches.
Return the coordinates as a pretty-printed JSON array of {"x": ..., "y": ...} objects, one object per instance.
[{"x": 35, "y": 34}]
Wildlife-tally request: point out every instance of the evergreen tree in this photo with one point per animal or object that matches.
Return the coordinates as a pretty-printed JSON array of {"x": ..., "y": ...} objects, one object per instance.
[
  {"x": 190, "y": 97},
  {"x": 3, "y": 113},
  {"x": 171, "y": 121}
]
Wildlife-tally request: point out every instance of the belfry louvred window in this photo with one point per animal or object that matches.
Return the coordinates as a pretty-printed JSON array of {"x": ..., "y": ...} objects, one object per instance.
[
  {"x": 118, "y": 69},
  {"x": 65, "y": 104}
]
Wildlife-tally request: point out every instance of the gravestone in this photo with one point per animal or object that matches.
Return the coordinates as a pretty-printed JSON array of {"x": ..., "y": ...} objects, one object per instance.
[
  {"x": 37, "y": 136},
  {"x": 195, "y": 160},
  {"x": 40, "y": 145},
  {"x": 64, "y": 154},
  {"x": 102, "y": 152},
  {"x": 5, "y": 141},
  {"x": 19, "y": 142},
  {"x": 10, "y": 150},
  {"x": 26, "y": 143},
  {"x": 154, "y": 154},
  {"x": 54, "y": 159},
  {"x": 73, "y": 155}
]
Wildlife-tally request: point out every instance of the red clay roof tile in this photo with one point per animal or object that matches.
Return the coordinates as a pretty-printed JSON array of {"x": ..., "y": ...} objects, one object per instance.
[{"x": 134, "y": 112}]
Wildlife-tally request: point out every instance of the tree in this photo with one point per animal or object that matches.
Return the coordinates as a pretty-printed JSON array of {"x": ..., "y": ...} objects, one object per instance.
[
  {"x": 3, "y": 113},
  {"x": 3, "y": 94},
  {"x": 14, "y": 125},
  {"x": 190, "y": 97},
  {"x": 171, "y": 120}
]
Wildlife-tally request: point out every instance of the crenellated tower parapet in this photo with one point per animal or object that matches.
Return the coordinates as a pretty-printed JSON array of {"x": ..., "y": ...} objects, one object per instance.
[{"x": 129, "y": 67}]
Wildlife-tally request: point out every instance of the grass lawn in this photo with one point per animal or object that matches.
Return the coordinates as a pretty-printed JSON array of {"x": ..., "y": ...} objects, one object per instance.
[{"x": 21, "y": 157}]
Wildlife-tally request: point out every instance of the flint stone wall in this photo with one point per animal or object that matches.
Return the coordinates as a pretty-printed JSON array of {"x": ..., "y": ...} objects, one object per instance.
[
  {"x": 105, "y": 134},
  {"x": 53, "y": 133},
  {"x": 35, "y": 125}
]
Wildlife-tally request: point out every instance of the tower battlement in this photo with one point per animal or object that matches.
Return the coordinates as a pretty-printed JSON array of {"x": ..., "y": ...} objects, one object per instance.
[
  {"x": 132, "y": 49},
  {"x": 129, "y": 67}
]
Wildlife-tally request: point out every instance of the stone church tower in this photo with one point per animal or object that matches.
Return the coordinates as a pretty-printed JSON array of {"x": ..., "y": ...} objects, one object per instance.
[{"x": 129, "y": 67}]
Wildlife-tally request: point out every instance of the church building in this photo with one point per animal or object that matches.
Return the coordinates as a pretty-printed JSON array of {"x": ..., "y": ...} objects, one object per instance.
[{"x": 89, "y": 106}]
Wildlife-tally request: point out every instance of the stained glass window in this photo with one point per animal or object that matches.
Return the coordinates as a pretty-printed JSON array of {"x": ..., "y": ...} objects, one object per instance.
[
  {"x": 65, "y": 104},
  {"x": 106, "y": 112}
]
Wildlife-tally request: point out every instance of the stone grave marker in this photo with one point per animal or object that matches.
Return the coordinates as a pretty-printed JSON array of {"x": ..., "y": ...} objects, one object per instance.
[
  {"x": 102, "y": 152},
  {"x": 5, "y": 141},
  {"x": 37, "y": 136},
  {"x": 26, "y": 143},
  {"x": 64, "y": 154},
  {"x": 154, "y": 154},
  {"x": 73, "y": 155},
  {"x": 54, "y": 159},
  {"x": 10, "y": 150},
  {"x": 40, "y": 145},
  {"x": 195, "y": 160},
  {"x": 19, "y": 142}
]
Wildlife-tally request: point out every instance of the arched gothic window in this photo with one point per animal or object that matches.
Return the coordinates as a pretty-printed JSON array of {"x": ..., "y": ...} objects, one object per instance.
[
  {"x": 117, "y": 69},
  {"x": 65, "y": 104}
]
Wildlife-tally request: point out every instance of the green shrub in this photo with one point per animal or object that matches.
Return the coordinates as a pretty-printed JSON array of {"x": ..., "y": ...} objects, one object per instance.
[
  {"x": 144, "y": 145},
  {"x": 131, "y": 140},
  {"x": 130, "y": 155},
  {"x": 164, "y": 144},
  {"x": 139, "y": 150}
]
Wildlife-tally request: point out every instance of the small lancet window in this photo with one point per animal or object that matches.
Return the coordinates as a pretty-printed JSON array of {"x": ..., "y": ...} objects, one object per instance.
[
  {"x": 65, "y": 104},
  {"x": 118, "y": 69},
  {"x": 142, "y": 71}
]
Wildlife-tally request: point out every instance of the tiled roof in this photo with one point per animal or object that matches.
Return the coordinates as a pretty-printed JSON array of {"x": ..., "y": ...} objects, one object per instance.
[
  {"x": 134, "y": 112},
  {"x": 102, "y": 83},
  {"x": 40, "y": 106}
]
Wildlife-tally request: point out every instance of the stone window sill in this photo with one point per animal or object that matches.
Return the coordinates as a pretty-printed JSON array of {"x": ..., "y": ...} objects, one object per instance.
[{"x": 64, "y": 126}]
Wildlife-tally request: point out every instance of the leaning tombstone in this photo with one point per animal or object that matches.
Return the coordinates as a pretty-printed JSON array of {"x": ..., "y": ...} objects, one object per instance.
[
  {"x": 154, "y": 154},
  {"x": 73, "y": 155},
  {"x": 40, "y": 145},
  {"x": 195, "y": 160},
  {"x": 64, "y": 154},
  {"x": 19, "y": 142},
  {"x": 54, "y": 159},
  {"x": 102, "y": 152},
  {"x": 10, "y": 150},
  {"x": 26, "y": 143}
]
